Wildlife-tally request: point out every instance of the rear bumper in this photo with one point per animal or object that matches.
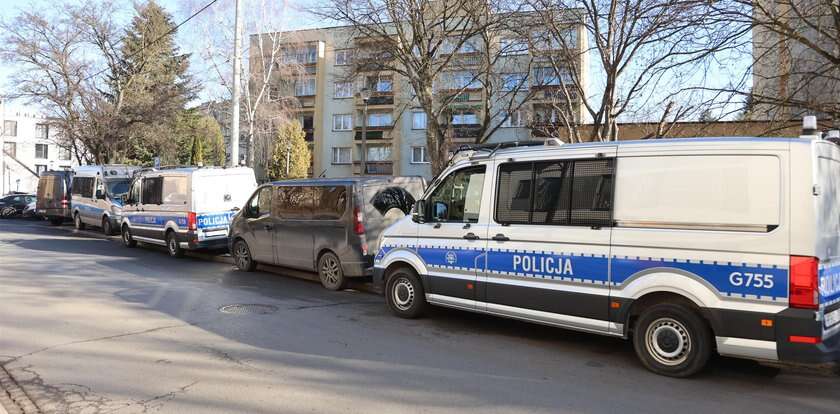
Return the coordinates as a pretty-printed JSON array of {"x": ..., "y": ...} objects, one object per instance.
[
  {"x": 189, "y": 241},
  {"x": 803, "y": 323}
]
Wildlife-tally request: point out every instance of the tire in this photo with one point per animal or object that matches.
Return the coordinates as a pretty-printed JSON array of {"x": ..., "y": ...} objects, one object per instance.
[
  {"x": 242, "y": 258},
  {"x": 56, "y": 221},
  {"x": 172, "y": 245},
  {"x": 127, "y": 239},
  {"x": 672, "y": 340},
  {"x": 77, "y": 222},
  {"x": 330, "y": 272},
  {"x": 107, "y": 228},
  {"x": 404, "y": 294}
]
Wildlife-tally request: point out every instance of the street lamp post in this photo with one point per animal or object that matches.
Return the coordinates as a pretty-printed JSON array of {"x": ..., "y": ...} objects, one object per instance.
[{"x": 365, "y": 95}]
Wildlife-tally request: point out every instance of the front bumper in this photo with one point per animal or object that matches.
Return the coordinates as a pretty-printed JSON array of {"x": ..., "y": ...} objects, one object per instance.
[
  {"x": 378, "y": 277},
  {"x": 358, "y": 269}
]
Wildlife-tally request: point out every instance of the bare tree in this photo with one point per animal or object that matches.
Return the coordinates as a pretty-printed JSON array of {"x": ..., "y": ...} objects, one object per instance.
[
  {"x": 643, "y": 51},
  {"x": 448, "y": 53}
]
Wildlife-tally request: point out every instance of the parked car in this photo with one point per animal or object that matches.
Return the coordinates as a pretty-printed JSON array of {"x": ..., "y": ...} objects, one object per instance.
[
  {"x": 688, "y": 246},
  {"x": 53, "y": 201},
  {"x": 184, "y": 208},
  {"x": 329, "y": 225},
  {"x": 30, "y": 211},
  {"x": 97, "y": 195},
  {"x": 13, "y": 205}
]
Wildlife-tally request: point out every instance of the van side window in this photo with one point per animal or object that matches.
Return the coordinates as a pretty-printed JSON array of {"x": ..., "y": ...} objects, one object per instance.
[
  {"x": 330, "y": 202},
  {"x": 134, "y": 195},
  {"x": 575, "y": 193},
  {"x": 152, "y": 189},
  {"x": 175, "y": 190},
  {"x": 294, "y": 202},
  {"x": 260, "y": 203},
  {"x": 83, "y": 186},
  {"x": 458, "y": 197}
]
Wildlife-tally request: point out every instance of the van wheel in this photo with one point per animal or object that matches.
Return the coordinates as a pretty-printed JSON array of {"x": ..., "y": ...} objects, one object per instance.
[
  {"x": 77, "y": 221},
  {"x": 242, "y": 257},
  {"x": 128, "y": 241},
  {"x": 672, "y": 340},
  {"x": 56, "y": 221},
  {"x": 330, "y": 273},
  {"x": 404, "y": 294},
  {"x": 106, "y": 226},
  {"x": 173, "y": 246}
]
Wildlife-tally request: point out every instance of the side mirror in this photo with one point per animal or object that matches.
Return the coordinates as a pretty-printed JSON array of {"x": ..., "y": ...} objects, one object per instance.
[
  {"x": 100, "y": 195},
  {"x": 418, "y": 213},
  {"x": 125, "y": 199}
]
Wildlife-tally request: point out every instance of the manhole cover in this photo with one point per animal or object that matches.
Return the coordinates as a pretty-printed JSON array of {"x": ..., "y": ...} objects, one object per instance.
[{"x": 245, "y": 308}]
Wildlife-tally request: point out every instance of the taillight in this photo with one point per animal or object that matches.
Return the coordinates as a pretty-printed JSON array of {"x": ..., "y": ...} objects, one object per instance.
[
  {"x": 804, "y": 293},
  {"x": 64, "y": 202},
  {"x": 358, "y": 223},
  {"x": 191, "y": 223}
]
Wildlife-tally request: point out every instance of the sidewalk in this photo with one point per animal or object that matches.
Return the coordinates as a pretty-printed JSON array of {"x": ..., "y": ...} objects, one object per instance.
[{"x": 12, "y": 398}]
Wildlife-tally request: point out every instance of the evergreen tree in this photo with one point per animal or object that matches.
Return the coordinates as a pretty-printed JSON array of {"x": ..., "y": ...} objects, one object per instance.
[
  {"x": 289, "y": 148},
  {"x": 199, "y": 139},
  {"x": 160, "y": 85}
]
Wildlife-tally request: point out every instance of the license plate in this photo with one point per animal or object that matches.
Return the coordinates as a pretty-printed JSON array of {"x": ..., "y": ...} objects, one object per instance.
[{"x": 832, "y": 318}]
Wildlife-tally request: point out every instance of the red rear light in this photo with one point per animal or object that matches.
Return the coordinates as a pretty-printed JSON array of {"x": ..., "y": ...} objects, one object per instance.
[
  {"x": 358, "y": 223},
  {"x": 191, "y": 223},
  {"x": 64, "y": 202},
  {"x": 803, "y": 282},
  {"x": 804, "y": 339}
]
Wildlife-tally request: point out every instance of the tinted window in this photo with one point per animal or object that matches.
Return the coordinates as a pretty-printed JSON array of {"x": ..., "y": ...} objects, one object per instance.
[
  {"x": 260, "y": 203},
  {"x": 577, "y": 193},
  {"x": 152, "y": 189},
  {"x": 117, "y": 188},
  {"x": 293, "y": 202},
  {"x": 458, "y": 197},
  {"x": 330, "y": 202},
  {"x": 134, "y": 197},
  {"x": 83, "y": 186}
]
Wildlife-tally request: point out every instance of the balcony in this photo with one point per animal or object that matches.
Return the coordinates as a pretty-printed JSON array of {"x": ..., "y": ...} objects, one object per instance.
[
  {"x": 379, "y": 98},
  {"x": 462, "y": 131},
  {"x": 374, "y": 168},
  {"x": 377, "y": 132}
]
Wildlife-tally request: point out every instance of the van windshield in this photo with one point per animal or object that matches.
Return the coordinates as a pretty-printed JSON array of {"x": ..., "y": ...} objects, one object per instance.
[{"x": 117, "y": 187}]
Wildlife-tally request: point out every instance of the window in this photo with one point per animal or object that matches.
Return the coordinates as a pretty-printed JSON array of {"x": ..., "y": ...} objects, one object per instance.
[
  {"x": 514, "y": 81},
  {"x": 419, "y": 155},
  {"x": 41, "y": 151},
  {"x": 10, "y": 128},
  {"x": 152, "y": 189},
  {"x": 464, "y": 80},
  {"x": 418, "y": 120},
  {"x": 465, "y": 118},
  {"x": 379, "y": 119},
  {"x": 341, "y": 155},
  {"x": 509, "y": 47},
  {"x": 64, "y": 154},
  {"x": 305, "y": 87},
  {"x": 83, "y": 186},
  {"x": 548, "y": 76},
  {"x": 342, "y": 122},
  {"x": 514, "y": 119},
  {"x": 10, "y": 148},
  {"x": 260, "y": 204},
  {"x": 175, "y": 190},
  {"x": 379, "y": 153},
  {"x": 42, "y": 131},
  {"x": 134, "y": 194},
  {"x": 576, "y": 193},
  {"x": 343, "y": 89},
  {"x": 458, "y": 197},
  {"x": 293, "y": 203},
  {"x": 40, "y": 168},
  {"x": 383, "y": 85},
  {"x": 343, "y": 57},
  {"x": 302, "y": 55},
  {"x": 330, "y": 203}
]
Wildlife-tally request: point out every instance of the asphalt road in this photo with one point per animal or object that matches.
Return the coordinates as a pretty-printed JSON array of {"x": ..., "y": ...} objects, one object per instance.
[{"x": 89, "y": 326}]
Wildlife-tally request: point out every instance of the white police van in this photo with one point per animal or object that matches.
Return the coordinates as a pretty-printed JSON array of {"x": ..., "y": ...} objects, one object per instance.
[
  {"x": 96, "y": 195},
  {"x": 687, "y": 246},
  {"x": 184, "y": 208}
]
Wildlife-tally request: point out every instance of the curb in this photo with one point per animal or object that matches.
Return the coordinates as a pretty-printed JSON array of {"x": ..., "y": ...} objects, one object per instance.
[{"x": 13, "y": 400}]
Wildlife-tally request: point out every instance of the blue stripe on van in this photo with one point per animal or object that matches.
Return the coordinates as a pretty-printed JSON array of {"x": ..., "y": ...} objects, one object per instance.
[
  {"x": 729, "y": 279},
  {"x": 214, "y": 220},
  {"x": 156, "y": 220},
  {"x": 829, "y": 284}
]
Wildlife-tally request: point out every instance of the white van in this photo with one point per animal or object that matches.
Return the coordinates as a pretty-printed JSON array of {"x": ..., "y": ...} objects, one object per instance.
[
  {"x": 185, "y": 208},
  {"x": 687, "y": 246},
  {"x": 97, "y": 195}
]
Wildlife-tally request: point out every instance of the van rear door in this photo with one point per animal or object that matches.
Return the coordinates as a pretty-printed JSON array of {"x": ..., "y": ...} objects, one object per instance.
[
  {"x": 385, "y": 203},
  {"x": 827, "y": 187}
]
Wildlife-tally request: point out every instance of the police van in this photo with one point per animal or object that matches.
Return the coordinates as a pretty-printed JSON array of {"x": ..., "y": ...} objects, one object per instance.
[
  {"x": 97, "y": 196},
  {"x": 687, "y": 246},
  {"x": 184, "y": 208}
]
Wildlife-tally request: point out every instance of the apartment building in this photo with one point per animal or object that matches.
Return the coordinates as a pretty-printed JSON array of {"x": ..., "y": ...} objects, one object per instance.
[
  {"x": 29, "y": 148},
  {"x": 330, "y": 107}
]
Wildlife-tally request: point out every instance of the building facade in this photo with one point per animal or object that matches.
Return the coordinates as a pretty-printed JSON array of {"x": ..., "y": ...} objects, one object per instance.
[
  {"x": 327, "y": 88},
  {"x": 29, "y": 148}
]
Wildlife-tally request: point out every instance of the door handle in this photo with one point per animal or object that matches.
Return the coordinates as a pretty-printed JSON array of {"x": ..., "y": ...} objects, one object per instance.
[
  {"x": 436, "y": 226},
  {"x": 268, "y": 226},
  {"x": 471, "y": 236},
  {"x": 501, "y": 237}
]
